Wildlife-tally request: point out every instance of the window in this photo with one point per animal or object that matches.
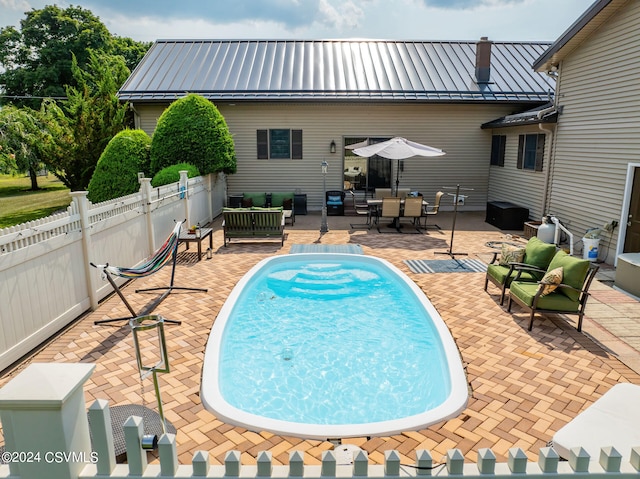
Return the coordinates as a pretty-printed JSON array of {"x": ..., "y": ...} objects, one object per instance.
[
  {"x": 530, "y": 152},
  {"x": 279, "y": 143},
  {"x": 498, "y": 143}
]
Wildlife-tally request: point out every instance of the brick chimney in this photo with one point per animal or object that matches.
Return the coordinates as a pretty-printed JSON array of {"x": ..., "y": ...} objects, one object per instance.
[{"x": 483, "y": 60}]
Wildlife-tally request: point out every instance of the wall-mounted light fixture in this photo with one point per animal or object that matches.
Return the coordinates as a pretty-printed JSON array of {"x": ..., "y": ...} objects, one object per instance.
[{"x": 332, "y": 147}]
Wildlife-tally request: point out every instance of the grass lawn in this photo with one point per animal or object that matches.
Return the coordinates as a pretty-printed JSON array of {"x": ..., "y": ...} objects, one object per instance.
[{"x": 18, "y": 204}]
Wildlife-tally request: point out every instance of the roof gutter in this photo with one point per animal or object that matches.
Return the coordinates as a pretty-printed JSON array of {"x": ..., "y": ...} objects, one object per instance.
[{"x": 546, "y": 60}]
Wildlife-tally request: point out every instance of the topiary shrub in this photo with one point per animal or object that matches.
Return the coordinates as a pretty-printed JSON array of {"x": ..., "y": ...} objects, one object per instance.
[
  {"x": 171, "y": 174},
  {"x": 116, "y": 173},
  {"x": 192, "y": 130}
]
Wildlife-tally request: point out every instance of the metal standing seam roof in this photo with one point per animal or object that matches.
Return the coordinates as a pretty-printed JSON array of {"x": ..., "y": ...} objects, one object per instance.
[{"x": 357, "y": 70}]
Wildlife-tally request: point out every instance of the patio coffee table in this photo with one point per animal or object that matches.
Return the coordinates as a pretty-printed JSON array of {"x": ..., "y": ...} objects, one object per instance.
[{"x": 186, "y": 237}]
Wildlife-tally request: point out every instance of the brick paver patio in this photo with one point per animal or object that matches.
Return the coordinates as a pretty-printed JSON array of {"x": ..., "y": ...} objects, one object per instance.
[{"x": 524, "y": 385}]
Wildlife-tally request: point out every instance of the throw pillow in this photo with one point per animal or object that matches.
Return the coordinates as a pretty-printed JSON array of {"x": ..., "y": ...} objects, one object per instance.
[
  {"x": 247, "y": 202},
  {"x": 510, "y": 254},
  {"x": 551, "y": 280},
  {"x": 287, "y": 204}
]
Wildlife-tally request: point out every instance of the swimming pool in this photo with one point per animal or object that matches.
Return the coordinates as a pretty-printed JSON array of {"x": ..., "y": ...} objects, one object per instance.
[{"x": 331, "y": 346}]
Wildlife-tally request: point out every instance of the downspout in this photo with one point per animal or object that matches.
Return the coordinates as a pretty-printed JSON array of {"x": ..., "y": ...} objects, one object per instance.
[
  {"x": 136, "y": 116},
  {"x": 547, "y": 176},
  {"x": 553, "y": 73}
]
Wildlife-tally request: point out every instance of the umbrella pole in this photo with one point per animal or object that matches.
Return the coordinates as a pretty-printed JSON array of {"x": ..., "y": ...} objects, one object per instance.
[{"x": 397, "y": 178}]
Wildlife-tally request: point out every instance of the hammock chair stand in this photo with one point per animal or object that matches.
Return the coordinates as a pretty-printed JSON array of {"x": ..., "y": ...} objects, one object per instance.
[{"x": 167, "y": 289}]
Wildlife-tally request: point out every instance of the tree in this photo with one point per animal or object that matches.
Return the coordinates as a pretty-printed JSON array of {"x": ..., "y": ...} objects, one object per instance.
[
  {"x": 192, "y": 130},
  {"x": 87, "y": 120},
  {"x": 22, "y": 137},
  {"x": 116, "y": 173},
  {"x": 37, "y": 60}
]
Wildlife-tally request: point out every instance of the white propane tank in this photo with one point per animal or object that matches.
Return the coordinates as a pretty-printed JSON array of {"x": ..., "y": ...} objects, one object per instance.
[{"x": 546, "y": 231}]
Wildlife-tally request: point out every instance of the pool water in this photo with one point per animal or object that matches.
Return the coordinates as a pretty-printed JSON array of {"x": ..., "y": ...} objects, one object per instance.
[{"x": 329, "y": 340}]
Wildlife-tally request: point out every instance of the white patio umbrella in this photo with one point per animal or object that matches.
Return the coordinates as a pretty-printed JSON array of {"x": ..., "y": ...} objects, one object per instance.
[{"x": 398, "y": 149}]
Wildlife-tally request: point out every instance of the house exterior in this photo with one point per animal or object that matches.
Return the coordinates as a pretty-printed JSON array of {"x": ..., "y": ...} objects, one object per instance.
[
  {"x": 592, "y": 176},
  {"x": 290, "y": 105}
]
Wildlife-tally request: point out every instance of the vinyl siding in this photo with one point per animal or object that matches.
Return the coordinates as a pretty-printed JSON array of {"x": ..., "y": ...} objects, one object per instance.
[
  {"x": 522, "y": 187},
  {"x": 453, "y": 128},
  {"x": 598, "y": 132}
]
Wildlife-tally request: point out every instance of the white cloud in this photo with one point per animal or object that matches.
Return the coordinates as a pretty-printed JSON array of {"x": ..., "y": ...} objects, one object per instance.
[{"x": 513, "y": 20}]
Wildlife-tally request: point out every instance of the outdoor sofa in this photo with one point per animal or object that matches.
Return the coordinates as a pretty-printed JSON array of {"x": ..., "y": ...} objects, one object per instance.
[
  {"x": 276, "y": 199},
  {"x": 253, "y": 223}
]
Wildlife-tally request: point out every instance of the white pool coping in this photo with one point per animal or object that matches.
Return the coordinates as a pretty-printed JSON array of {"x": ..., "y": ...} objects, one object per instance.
[{"x": 214, "y": 402}]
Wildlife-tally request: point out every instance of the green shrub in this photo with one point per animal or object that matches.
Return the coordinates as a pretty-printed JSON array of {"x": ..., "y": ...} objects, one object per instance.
[
  {"x": 116, "y": 173},
  {"x": 192, "y": 130},
  {"x": 171, "y": 174}
]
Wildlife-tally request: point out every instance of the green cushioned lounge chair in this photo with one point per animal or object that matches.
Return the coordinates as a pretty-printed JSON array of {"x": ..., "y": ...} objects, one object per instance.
[
  {"x": 537, "y": 256},
  {"x": 570, "y": 297}
]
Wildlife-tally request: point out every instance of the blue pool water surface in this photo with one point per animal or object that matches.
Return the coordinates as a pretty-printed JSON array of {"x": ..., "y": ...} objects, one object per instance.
[{"x": 331, "y": 341}]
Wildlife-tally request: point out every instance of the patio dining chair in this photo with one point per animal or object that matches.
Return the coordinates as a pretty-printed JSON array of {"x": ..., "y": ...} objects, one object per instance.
[
  {"x": 413, "y": 211},
  {"x": 432, "y": 210},
  {"x": 563, "y": 289},
  {"x": 390, "y": 209},
  {"x": 361, "y": 209}
]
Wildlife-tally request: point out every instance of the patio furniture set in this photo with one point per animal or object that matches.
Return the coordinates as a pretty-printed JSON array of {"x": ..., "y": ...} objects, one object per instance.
[
  {"x": 540, "y": 278},
  {"x": 403, "y": 205}
]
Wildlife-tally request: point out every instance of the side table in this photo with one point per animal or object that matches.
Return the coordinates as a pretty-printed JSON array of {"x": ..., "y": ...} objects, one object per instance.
[{"x": 186, "y": 237}]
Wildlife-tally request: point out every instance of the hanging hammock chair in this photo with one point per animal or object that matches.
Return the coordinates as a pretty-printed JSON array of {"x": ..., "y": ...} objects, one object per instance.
[{"x": 168, "y": 251}]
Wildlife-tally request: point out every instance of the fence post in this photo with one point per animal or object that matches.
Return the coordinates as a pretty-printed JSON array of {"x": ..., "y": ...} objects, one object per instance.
[
  {"x": 328, "y": 467},
  {"x": 486, "y": 461},
  {"x": 136, "y": 457},
  {"x": 100, "y": 418},
  {"x": 184, "y": 194},
  {"x": 296, "y": 464},
  {"x": 210, "y": 196},
  {"x": 391, "y": 463},
  {"x": 424, "y": 462},
  {"x": 80, "y": 197},
  {"x": 45, "y": 422},
  {"x": 145, "y": 191},
  {"x": 232, "y": 464},
  {"x": 361, "y": 464}
]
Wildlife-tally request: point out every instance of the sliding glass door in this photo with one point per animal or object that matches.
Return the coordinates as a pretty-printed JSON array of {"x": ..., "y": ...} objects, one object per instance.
[{"x": 365, "y": 174}]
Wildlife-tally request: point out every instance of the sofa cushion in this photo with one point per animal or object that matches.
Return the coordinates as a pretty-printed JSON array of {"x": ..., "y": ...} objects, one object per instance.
[
  {"x": 247, "y": 202},
  {"x": 278, "y": 198},
  {"x": 272, "y": 208},
  {"x": 556, "y": 302},
  {"x": 499, "y": 273},
  {"x": 287, "y": 204},
  {"x": 258, "y": 199},
  {"x": 538, "y": 253},
  {"x": 574, "y": 271}
]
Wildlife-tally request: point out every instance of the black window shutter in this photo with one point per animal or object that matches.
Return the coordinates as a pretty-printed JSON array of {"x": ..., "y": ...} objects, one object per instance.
[
  {"x": 520, "y": 151},
  {"x": 503, "y": 146},
  {"x": 296, "y": 144},
  {"x": 495, "y": 148},
  {"x": 539, "y": 152},
  {"x": 263, "y": 144}
]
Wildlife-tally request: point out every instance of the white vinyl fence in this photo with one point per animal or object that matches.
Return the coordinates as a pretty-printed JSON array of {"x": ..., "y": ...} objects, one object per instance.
[
  {"x": 47, "y": 436},
  {"x": 45, "y": 277}
]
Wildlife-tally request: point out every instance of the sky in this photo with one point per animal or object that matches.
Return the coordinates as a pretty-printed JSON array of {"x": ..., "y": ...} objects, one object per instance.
[{"x": 149, "y": 20}]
